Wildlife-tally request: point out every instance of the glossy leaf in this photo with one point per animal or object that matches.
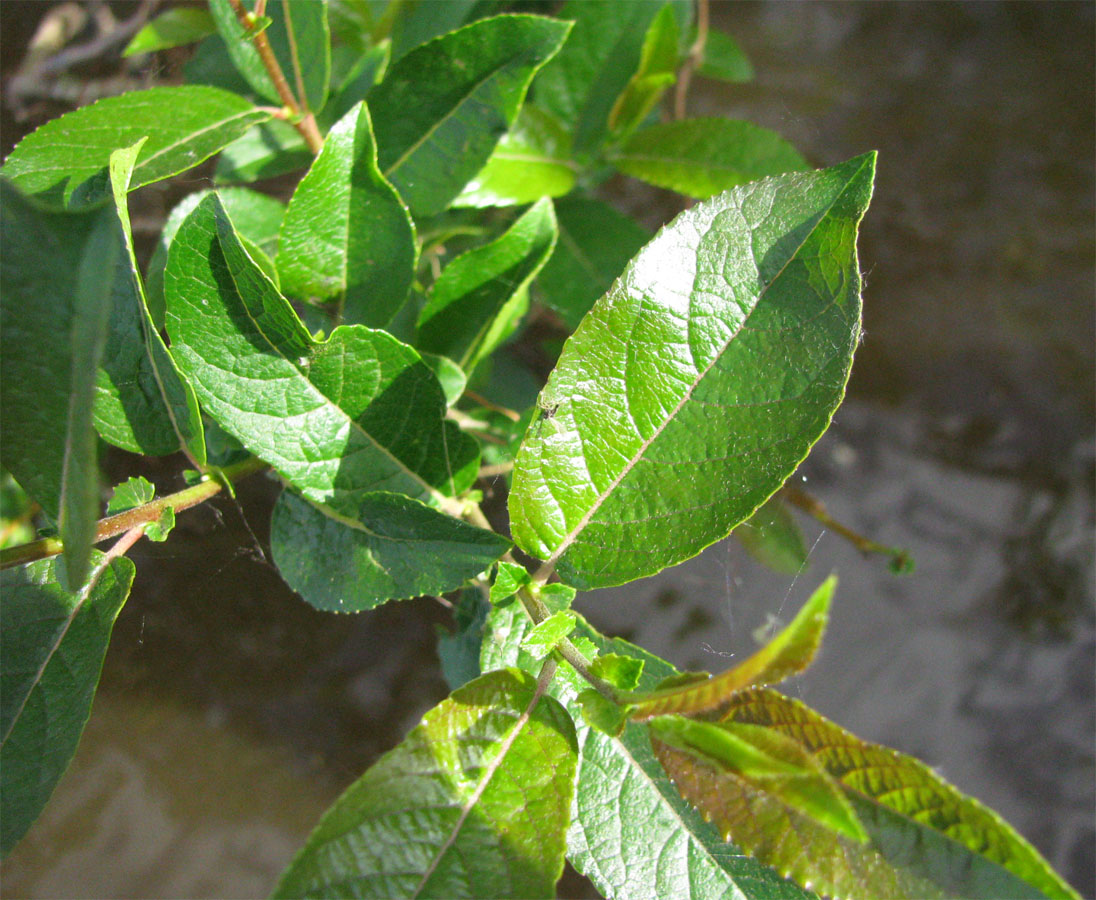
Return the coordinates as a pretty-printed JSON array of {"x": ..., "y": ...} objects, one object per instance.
[
  {"x": 715, "y": 360},
  {"x": 773, "y": 538},
  {"x": 595, "y": 244},
  {"x": 255, "y": 216},
  {"x": 789, "y": 652},
  {"x": 51, "y": 652},
  {"x": 474, "y": 292},
  {"x": 54, "y": 313},
  {"x": 632, "y": 833},
  {"x": 622, "y": 672},
  {"x": 391, "y": 548},
  {"x": 142, "y": 402},
  {"x": 441, "y": 109},
  {"x": 763, "y": 759},
  {"x": 64, "y": 162},
  {"x": 602, "y": 53},
  {"x": 172, "y": 28},
  {"x": 657, "y": 71},
  {"x": 301, "y": 41},
  {"x": 925, "y": 838},
  {"x": 702, "y": 157},
  {"x": 330, "y": 416},
  {"x": 724, "y": 59},
  {"x": 531, "y": 161},
  {"x": 272, "y": 149},
  {"x": 474, "y": 803},
  {"x": 347, "y": 237}
]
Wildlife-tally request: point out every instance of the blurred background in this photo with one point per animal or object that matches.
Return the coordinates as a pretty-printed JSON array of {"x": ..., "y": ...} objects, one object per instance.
[{"x": 231, "y": 714}]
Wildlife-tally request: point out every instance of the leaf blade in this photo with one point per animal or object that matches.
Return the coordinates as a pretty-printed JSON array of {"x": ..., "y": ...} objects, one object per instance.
[
  {"x": 53, "y": 648},
  {"x": 256, "y": 368},
  {"x": 441, "y": 109},
  {"x": 702, "y": 157},
  {"x": 393, "y": 548},
  {"x": 64, "y": 162},
  {"x": 54, "y": 314},
  {"x": 143, "y": 404},
  {"x": 513, "y": 770},
  {"x": 346, "y": 236},
  {"x": 475, "y": 291},
  {"x": 638, "y": 461}
]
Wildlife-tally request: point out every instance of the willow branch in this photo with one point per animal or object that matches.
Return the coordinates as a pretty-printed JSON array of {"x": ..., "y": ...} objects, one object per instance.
[
  {"x": 138, "y": 517},
  {"x": 303, "y": 121},
  {"x": 693, "y": 60}
]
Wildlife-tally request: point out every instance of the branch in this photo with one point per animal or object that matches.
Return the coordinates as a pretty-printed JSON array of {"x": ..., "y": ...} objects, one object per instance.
[
  {"x": 136, "y": 518},
  {"x": 304, "y": 121},
  {"x": 693, "y": 60}
]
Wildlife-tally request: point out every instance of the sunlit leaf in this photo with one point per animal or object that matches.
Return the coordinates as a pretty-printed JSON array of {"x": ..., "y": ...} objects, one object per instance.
[
  {"x": 789, "y": 652},
  {"x": 329, "y": 416},
  {"x": 656, "y": 72},
  {"x": 347, "y": 237},
  {"x": 172, "y": 28},
  {"x": 474, "y": 803},
  {"x": 472, "y": 297},
  {"x": 64, "y": 162},
  {"x": 142, "y": 402},
  {"x": 696, "y": 386},
  {"x": 441, "y": 109},
  {"x": 701, "y": 157}
]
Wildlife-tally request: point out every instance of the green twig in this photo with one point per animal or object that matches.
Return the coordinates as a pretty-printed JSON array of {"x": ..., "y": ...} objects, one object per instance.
[{"x": 138, "y": 517}]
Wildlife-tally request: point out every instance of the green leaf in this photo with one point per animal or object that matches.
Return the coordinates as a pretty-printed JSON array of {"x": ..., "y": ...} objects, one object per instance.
[
  {"x": 545, "y": 635},
  {"x": 142, "y": 402},
  {"x": 130, "y": 494},
  {"x": 330, "y": 416},
  {"x": 657, "y": 71},
  {"x": 442, "y": 108},
  {"x": 926, "y": 839},
  {"x": 347, "y": 237},
  {"x": 509, "y": 579},
  {"x": 256, "y": 216},
  {"x": 459, "y": 650},
  {"x": 632, "y": 833},
  {"x": 531, "y": 161},
  {"x": 594, "y": 67},
  {"x": 172, "y": 28},
  {"x": 423, "y": 21},
  {"x": 474, "y": 803},
  {"x": 64, "y": 162},
  {"x": 299, "y": 36},
  {"x": 789, "y": 652},
  {"x": 773, "y": 538},
  {"x": 474, "y": 293},
  {"x": 51, "y": 652},
  {"x": 450, "y": 376},
  {"x": 702, "y": 157},
  {"x": 698, "y": 383},
  {"x": 54, "y": 312},
  {"x": 391, "y": 548},
  {"x": 159, "y": 530},
  {"x": 272, "y": 149},
  {"x": 555, "y": 596},
  {"x": 724, "y": 59},
  {"x": 622, "y": 672},
  {"x": 211, "y": 65},
  {"x": 363, "y": 75},
  {"x": 595, "y": 243},
  {"x": 764, "y": 760},
  {"x": 606, "y": 716}
]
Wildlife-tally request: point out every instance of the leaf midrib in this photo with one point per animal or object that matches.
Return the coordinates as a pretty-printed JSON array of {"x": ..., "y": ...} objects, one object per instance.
[{"x": 549, "y": 565}]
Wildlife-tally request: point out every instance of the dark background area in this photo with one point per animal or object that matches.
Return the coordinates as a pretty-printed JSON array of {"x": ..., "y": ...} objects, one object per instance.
[{"x": 230, "y": 713}]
